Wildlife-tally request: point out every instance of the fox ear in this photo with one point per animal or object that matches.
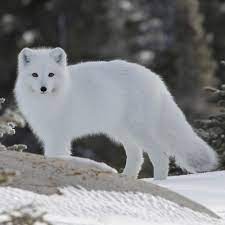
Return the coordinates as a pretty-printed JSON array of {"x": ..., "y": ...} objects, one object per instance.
[
  {"x": 25, "y": 56},
  {"x": 59, "y": 56}
]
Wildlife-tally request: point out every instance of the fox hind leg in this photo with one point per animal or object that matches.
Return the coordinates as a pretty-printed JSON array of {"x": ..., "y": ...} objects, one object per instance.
[{"x": 160, "y": 161}]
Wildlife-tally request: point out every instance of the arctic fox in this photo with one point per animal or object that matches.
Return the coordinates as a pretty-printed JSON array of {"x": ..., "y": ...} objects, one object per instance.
[{"x": 124, "y": 100}]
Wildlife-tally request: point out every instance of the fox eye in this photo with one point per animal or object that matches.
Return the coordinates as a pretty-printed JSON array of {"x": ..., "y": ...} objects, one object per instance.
[
  {"x": 34, "y": 74},
  {"x": 51, "y": 74}
]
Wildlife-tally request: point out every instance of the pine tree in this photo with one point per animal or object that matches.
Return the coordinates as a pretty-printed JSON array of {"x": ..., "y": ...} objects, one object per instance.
[{"x": 193, "y": 64}]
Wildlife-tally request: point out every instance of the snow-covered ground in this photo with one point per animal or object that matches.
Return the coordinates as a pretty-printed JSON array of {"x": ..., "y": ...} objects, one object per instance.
[
  {"x": 77, "y": 206},
  {"x": 207, "y": 189}
]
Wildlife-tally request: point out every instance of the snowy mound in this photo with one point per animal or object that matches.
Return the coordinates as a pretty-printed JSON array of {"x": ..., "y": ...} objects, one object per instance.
[
  {"x": 82, "y": 207},
  {"x": 207, "y": 189},
  {"x": 84, "y": 192}
]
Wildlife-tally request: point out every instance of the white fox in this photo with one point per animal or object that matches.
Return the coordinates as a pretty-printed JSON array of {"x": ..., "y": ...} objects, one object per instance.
[{"x": 124, "y": 100}]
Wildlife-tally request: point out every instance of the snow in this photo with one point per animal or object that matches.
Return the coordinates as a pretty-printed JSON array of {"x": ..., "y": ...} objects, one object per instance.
[
  {"x": 207, "y": 189},
  {"x": 77, "y": 206}
]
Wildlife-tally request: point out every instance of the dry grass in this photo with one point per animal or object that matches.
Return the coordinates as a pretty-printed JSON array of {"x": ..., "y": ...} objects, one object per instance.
[{"x": 26, "y": 215}]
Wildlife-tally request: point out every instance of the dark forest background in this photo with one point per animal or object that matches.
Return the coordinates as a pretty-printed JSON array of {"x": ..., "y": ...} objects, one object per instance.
[{"x": 183, "y": 41}]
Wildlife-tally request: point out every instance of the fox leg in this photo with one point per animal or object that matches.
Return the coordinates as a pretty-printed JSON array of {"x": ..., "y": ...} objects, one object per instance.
[{"x": 134, "y": 159}]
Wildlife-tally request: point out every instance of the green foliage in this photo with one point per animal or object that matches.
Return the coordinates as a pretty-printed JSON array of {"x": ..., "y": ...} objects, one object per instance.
[{"x": 212, "y": 128}]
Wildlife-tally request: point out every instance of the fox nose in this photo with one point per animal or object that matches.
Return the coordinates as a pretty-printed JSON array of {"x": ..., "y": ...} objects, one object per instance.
[{"x": 43, "y": 89}]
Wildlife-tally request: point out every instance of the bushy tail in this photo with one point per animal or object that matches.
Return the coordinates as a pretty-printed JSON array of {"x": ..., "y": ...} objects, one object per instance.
[
  {"x": 190, "y": 151},
  {"x": 196, "y": 155}
]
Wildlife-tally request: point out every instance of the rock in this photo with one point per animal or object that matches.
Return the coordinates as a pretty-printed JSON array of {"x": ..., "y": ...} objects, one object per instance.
[{"x": 46, "y": 176}]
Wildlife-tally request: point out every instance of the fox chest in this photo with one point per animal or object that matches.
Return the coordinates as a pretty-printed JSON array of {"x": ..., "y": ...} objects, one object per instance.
[{"x": 42, "y": 117}]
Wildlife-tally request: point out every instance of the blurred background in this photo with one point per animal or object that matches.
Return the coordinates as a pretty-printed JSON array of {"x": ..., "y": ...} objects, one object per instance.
[{"x": 183, "y": 41}]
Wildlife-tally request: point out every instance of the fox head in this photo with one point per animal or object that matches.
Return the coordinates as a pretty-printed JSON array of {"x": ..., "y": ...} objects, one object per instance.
[{"x": 42, "y": 71}]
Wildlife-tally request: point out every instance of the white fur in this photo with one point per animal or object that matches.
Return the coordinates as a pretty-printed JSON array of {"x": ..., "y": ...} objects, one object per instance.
[{"x": 124, "y": 100}]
